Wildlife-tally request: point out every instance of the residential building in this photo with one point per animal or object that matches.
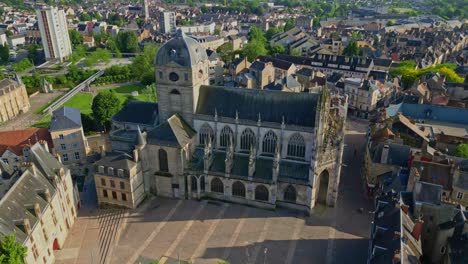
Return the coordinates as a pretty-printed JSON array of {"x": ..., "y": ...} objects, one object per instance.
[
  {"x": 13, "y": 99},
  {"x": 305, "y": 22},
  {"x": 263, "y": 73},
  {"x": 54, "y": 33},
  {"x": 67, "y": 135},
  {"x": 167, "y": 22},
  {"x": 38, "y": 203},
  {"x": 381, "y": 159},
  {"x": 15, "y": 145},
  {"x": 119, "y": 180},
  {"x": 207, "y": 27}
]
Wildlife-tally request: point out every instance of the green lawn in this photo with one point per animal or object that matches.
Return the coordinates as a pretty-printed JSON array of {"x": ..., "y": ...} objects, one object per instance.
[
  {"x": 43, "y": 123},
  {"x": 84, "y": 101},
  {"x": 123, "y": 92},
  {"x": 81, "y": 101}
]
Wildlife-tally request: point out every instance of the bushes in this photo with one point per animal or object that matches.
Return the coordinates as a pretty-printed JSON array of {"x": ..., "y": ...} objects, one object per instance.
[
  {"x": 22, "y": 65},
  {"x": 116, "y": 74}
]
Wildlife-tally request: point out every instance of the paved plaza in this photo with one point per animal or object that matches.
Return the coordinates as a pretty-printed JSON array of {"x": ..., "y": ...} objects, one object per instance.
[{"x": 210, "y": 231}]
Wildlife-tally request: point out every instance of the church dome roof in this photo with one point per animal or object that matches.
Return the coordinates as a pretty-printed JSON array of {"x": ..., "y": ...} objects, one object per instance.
[{"x": 181, "y": 49}]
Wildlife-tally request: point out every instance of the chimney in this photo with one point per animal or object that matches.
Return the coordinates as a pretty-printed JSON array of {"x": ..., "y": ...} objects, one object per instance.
[
  {"x": 417, "y": 229},
  {"x": 136, "y": 158},
  {"x": 44, "y": 145},
  {"x": 384, "y": 157},
  {"x": 57, "y": 156}
]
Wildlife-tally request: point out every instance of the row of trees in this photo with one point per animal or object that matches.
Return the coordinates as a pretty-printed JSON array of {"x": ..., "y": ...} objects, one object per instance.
[
  {"x": 258, "y": 44},
  {"x": 409, "y": 74},
  {"x": 124, "y": 42}
]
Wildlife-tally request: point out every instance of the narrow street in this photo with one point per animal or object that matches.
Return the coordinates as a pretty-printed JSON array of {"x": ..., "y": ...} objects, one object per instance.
[{"x": 351, "y": 224}]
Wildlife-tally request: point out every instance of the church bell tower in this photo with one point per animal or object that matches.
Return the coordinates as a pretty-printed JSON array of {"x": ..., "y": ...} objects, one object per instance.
[{"x": 181, "y": 67}]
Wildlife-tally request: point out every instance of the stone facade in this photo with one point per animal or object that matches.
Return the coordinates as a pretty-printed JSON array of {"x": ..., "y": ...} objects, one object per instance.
[
  {"x": 203, "y": 148},
  {"x": 119, "y": 184},
  {"x": 70, "y": 145},
  {"x": 40, "y": 207},
  {"x": 13, "y": 99}
]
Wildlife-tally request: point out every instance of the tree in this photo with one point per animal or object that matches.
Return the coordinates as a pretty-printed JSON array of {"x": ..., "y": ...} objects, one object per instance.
[
  {"x": 256, "y": 34},
  {"x": 75, "y": 37},
  {"x": 9, "y": 33},
  {"x": 351, "y": 49},
  {"x": 462, "y": 151},
  {"x": 290, "y": 23},
  {"x": 32, "y": 53},
  {"x": 277, "y": 49},
  {"x": 85, "y": 17},
  {"x": 22, "y": 65},
  {"x": 97, "y": 16},
  {"x": 295, "y": 52},
  {"x": 272, "y": 31},
  {"x": 105, "y": 106},
  {"x": 127, "y": 41},
  {"x": 253, "y": 49},
  {"x": 143, "y": 65},
  {"x": 4, "y": 54},
  {"x": 225, "y": 51},
  {"x": 11, "y": 252},
  {"x": 391, "y": 23}
]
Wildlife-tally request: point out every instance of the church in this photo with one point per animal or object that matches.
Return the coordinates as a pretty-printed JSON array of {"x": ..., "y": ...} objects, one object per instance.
[{"x": 258, "y": 147}]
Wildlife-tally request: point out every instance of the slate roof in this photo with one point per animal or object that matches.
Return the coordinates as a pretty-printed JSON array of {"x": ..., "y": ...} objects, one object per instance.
[
  {"x": 277, "y": 63},
  {"x": 430, "y": 112},
  {"x": 398, "y": 155},
  {"x": 26, "y": 191},
  {"x": 296, "y": 108},
  {"x": 182, "y": 50},
  {"x": 117, "y": 160},
  {"x": 137, "y": 112},
  {"x": 65, "y": 118},
  {"x": 305, "y": 72},
  {"x": 16, "y": 140},
  {"x": 176, "y": 132}
]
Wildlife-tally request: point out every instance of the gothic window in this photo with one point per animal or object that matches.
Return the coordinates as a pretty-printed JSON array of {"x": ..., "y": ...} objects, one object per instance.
[
  {"x": 162, "y": 155},
  {"x": 296, "y": 146},
  {"x": 226, "y": 134},
  {"x": 238, "y": 189},
  {"x": 194, "y": 184},
  {"x": 247, "y": 139},
  {"x": 174, "y": 91},
  {"x": 290, "y": 194},
  {"x": 217, "y": 186},
  {"x": 261, "y": 193},
  {"x": 205, "y": 132},
  {"x": 269, "y": 142}
]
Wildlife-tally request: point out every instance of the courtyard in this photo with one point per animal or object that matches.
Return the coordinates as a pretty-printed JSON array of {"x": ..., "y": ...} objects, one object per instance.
[{"x": 209, "y": 231}]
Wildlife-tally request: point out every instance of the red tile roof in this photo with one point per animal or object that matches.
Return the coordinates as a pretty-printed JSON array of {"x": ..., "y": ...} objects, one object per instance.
[{"x": 16, "y": 140}]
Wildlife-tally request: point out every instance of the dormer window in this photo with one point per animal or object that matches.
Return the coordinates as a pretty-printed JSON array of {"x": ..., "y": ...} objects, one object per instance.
[
  {"x": 101, "y": 169},
  {"x": 110, "y": 171}
]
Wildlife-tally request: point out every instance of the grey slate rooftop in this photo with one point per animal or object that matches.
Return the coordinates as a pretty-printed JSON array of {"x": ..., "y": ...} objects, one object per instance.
[
  {"x": 296, "y": 108},
  {"x": 65, "y": 118},
  {"x": 138, "y": 112},
  {"x": 176, "y": 132},
  {"x": 182, "y": 50}
]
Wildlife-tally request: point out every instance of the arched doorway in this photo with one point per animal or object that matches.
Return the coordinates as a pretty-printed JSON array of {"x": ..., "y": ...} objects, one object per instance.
[{"x": 323, "y": 187}]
